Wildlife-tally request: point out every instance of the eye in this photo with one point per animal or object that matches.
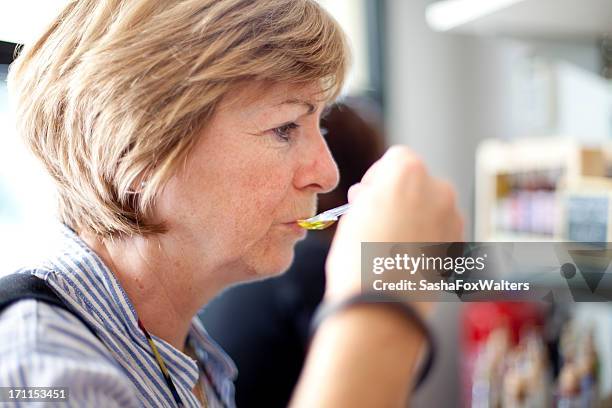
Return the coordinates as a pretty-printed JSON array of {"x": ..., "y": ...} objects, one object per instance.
[{"x": 285, "y": 132}]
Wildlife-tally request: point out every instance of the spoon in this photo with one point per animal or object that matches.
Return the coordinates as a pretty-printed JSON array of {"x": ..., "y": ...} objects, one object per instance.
[{"x": 325, "y": 219}]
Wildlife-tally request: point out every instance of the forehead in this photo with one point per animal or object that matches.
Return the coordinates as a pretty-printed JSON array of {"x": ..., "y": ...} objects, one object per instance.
[{"x": 257, "y": 96}]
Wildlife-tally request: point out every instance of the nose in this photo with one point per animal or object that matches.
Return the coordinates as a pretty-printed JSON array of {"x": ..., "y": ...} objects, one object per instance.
[{"x": 318, "y": 171}]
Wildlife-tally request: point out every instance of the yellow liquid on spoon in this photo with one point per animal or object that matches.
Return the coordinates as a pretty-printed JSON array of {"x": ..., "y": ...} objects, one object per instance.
[
  {"x": 323, "y": 220},
  {"x": 314, "y": 225}
]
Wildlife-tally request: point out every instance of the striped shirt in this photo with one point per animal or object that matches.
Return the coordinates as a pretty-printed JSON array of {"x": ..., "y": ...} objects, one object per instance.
[{"x": 44, "y": 345}]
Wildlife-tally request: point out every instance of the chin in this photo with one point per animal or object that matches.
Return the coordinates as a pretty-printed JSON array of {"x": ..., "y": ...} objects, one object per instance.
[
  {"x": 279, "y": 265},
  {"x": 272, "y": 255},
  {"x": 271, "y": 263}
]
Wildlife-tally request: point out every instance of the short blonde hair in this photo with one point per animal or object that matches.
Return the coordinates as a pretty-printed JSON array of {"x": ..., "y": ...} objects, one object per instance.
[{"x": 116, "y": 91}]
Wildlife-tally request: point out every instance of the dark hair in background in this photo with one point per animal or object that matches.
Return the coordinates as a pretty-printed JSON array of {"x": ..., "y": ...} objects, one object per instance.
[
  {"x": 354, "y": 137},
  {"x": 264, "y": 325}
]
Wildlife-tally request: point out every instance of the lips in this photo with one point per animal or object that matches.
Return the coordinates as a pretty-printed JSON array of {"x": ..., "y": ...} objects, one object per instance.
[
  {"x": 295, "y": 228},
  {"x": 294, "y": 220}
]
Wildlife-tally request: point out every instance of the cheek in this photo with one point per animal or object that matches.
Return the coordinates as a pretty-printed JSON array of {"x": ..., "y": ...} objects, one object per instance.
[
  {"x": 243, "y": 193},
  {"x": 264, "y": 196},
  {"x": 226, "y": 204}
]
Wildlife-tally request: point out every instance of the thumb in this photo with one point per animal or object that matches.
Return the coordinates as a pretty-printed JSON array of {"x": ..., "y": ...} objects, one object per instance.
[{"x": 354, "y": 191}]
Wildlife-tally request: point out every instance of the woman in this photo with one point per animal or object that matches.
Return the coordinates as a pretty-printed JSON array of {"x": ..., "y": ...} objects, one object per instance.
[
  {"x": 184, "y": 142},
  {"x": 273, "y": 315}
]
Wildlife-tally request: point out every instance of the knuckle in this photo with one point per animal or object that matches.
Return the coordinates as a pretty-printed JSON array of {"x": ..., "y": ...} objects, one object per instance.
[
  {"x": 405, "y": 164},
  {"x": 448, "y": 194},
  {"x": 398, "y": 150},
  {"x": 416, "y": 166},
  {"x": 412, "y": 169},
  {"x": 402, "y": 156}
]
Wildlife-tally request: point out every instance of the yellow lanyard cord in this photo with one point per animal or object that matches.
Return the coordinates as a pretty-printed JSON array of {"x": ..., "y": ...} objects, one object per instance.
[{"x": 162, "y": 366}]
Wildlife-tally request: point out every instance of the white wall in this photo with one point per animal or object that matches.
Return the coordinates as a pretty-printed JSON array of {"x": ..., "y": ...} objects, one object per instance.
[
  {"x": 444, "y": 93},
  {"x": 443, "y": 96}
]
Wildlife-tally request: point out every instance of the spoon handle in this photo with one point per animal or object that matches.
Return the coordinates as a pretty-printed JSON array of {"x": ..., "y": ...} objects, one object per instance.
[{"x": 338, "y": 211}]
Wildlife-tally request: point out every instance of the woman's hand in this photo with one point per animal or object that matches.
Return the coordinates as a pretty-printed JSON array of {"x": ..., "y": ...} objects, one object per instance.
[
  {"x": 396, "y": 201},
  {"x": 366, "y": 356}
]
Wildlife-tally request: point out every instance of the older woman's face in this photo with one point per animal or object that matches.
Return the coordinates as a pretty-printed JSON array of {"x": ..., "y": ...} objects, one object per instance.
[{"x": 257, "y": 167}]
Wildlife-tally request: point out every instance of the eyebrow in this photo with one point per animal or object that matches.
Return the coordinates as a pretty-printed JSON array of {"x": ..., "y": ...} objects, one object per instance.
[{"x": 311, "y": 108}]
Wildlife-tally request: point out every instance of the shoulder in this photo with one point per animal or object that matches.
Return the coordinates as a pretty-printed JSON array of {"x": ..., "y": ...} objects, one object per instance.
[
  {"x": 30, "y": 325},
  {"x": 44, "y": 345}
]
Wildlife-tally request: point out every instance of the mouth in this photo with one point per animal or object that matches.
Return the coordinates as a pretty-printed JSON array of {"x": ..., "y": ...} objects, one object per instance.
[
  {"x": 300, "y": 218},
  {"x": 294, "y": 227},
  {"x": 292, "y": 223},
  {"x": 295, "y": 221}
]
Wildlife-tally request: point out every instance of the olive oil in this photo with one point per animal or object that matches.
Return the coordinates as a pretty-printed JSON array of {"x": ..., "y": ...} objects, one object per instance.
[
  {"x": 315, "y": 225},
  {"x": 323, "y": 220}
]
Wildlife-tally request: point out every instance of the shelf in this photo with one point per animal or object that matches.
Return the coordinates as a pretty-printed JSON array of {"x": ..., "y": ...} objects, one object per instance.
[
  {"x": 514, "y": 178},
  {"x": 585, "y": 19},
  {"x": 521, "y": 237}
]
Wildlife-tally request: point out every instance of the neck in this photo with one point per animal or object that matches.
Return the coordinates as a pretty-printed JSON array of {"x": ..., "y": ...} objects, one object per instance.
[{"x": 166, "y": 291}]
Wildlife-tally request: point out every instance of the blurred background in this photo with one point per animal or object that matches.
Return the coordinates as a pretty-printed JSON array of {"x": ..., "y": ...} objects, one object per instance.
[{"x": 511, "y": 100}]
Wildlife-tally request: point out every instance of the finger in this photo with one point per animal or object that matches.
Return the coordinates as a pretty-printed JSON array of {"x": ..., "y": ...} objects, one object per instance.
[
  {"x": 354, "y": 192},
  {"x": 397, "y": 163},
  {"x": 381, "y": 163},
  {"x": 373, "y": 171}
]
